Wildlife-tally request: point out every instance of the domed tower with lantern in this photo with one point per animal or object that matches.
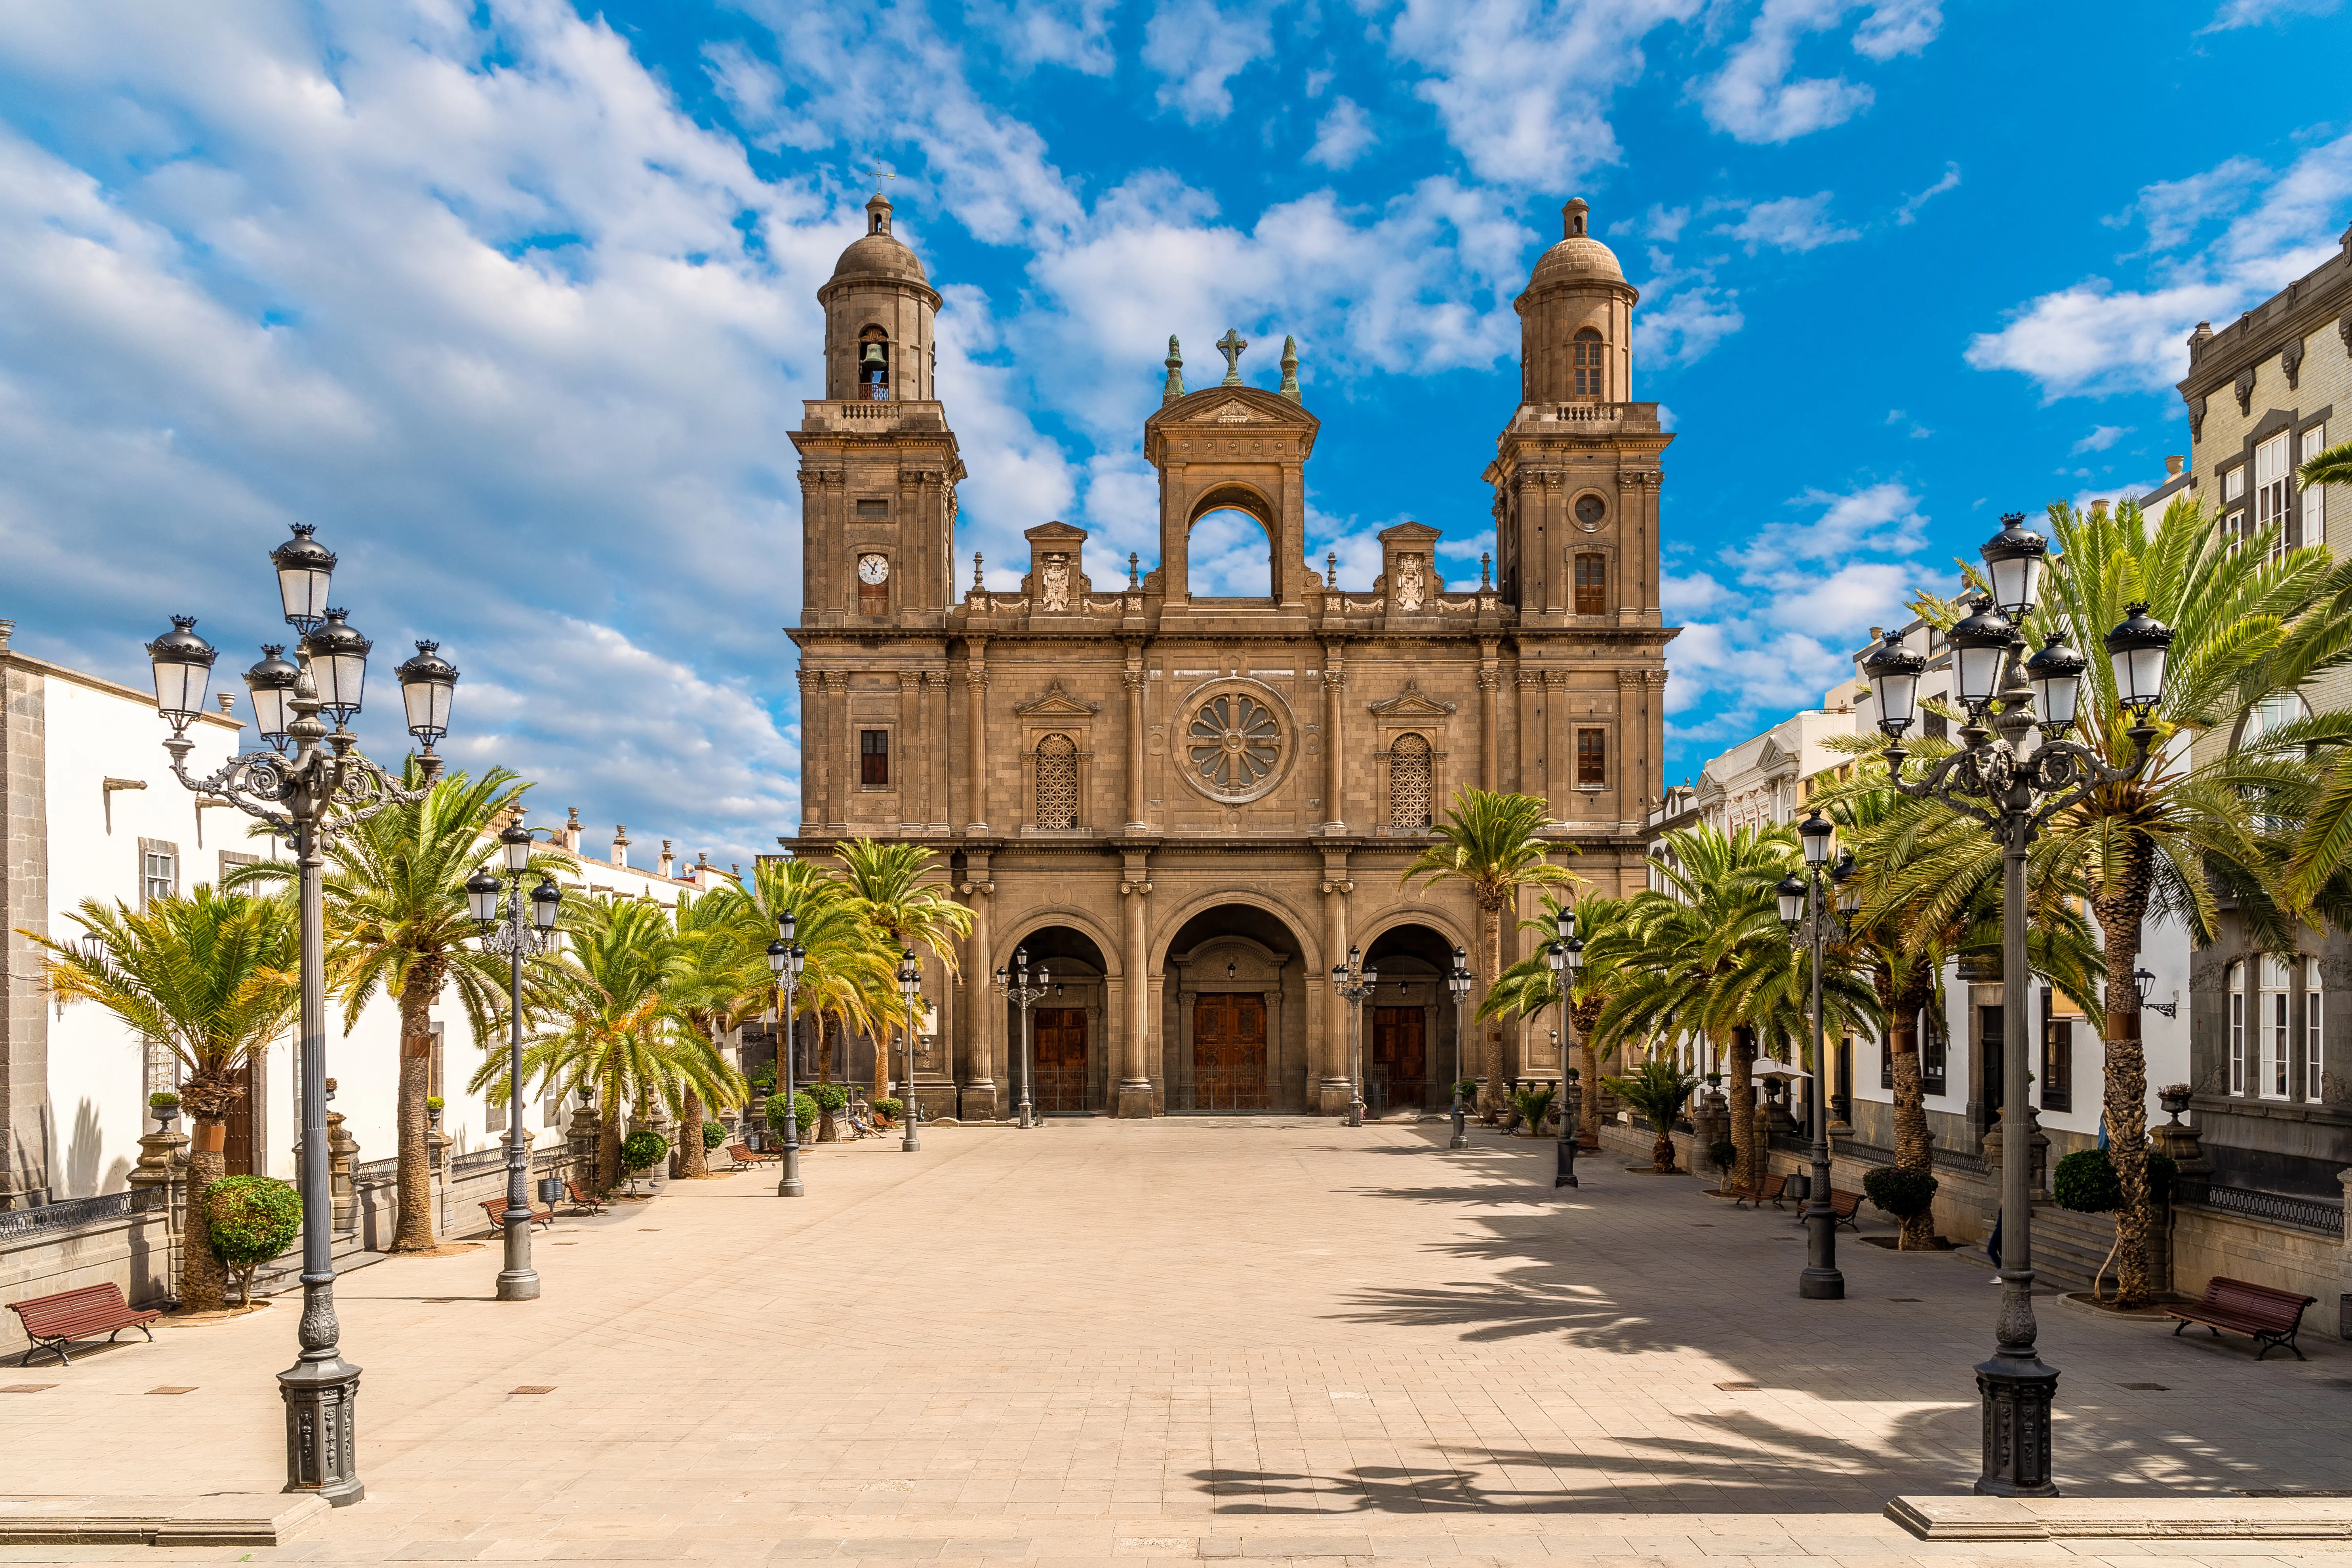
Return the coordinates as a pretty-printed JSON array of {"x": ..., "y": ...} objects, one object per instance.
[
  {"x": 878, "y": 471},
  {"x": 1576, "y": 477}
]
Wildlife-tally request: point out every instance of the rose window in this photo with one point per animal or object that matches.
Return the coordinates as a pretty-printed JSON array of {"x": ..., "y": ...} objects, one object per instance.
[{"x": 1236, "y": 743}]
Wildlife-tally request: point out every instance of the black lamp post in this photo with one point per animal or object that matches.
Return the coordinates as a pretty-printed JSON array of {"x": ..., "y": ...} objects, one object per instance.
[
  {"x": 507, "y": 930},
  {"x": 1017, "y": 988},
  {"x": 910, "y": 977},
  {"x": 787, "y": 961},
  {"x": 1566, "y": 959},
  {"x": 1805, "y": 910},
  {"x": 321, "y": 789},
  {"x": 1457, "y": 980},
  {"x": 1994, "y": 779},
  {"x": 1352, "y": 982}
]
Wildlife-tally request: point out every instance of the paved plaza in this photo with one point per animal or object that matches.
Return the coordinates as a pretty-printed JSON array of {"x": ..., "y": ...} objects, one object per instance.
[{"x": 1172, "y": 1340}]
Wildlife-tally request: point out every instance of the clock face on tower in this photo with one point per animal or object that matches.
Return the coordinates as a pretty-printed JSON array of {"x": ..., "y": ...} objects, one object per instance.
[{"x": 874, "y": 568}]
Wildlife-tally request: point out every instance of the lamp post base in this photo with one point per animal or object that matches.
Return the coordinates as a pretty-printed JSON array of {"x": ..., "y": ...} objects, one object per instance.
[
  {"x": 1820, "y": 1285},
  {"x": 2017, "y": 1393},
  {"x": 1355, "y": 1114},
  {"x": 787, "y": 1185},
  {"x": 1460, "y": 1138},
  {"x": 322, "y": 1397},
  {"x": 518, "y": 1285},
  {"x": 1027, "y": 1121}
]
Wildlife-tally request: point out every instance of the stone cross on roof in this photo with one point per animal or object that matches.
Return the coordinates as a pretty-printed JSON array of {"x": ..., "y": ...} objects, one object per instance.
[{"x": 1231, "y": 345}]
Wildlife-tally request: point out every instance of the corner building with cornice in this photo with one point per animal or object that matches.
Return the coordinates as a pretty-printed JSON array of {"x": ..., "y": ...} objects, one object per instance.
[{"x": 1186, "y": 809}]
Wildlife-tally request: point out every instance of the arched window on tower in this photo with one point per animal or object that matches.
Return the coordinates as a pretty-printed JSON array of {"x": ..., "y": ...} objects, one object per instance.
[
  {"x": 1409, "y": 782},
  {"x": 1058, "y": 782},
  {"x": 1589, "y": 354},
  {"x": 873, "y": 365}
]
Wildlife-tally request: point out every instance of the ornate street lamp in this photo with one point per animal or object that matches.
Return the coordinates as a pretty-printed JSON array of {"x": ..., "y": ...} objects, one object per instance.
[
  {"x": 1566, "y": 959},
  {"x": 312, "y": 785},
  {"x": 506, "y": 929},
  {"x": 787, "y": 961},
  {"x": 1352, "y": 982},
  {"x": 910, "y": 977},
  {"x": 1458, "y": 979},
  {"x": 1993, "y": 779},
  {"x": 1807, "y": 916},
  {"x": 1020, "y": 992}
]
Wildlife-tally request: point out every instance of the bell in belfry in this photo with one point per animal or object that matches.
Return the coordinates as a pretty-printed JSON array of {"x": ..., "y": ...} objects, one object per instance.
[{"x": 873, "y": 361}]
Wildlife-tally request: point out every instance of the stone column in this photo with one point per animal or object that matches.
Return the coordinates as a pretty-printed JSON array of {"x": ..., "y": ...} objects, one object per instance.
[
  {"x": 982, "y": 1008},
  {"x": 1559, "y": 746},
  {"x": 164, "y": 1162},
  {"x": 936, "y": 725},
  {"x": 24, "y": 1130},
  {"x": 1133, "y": 1098},
  {"x": 975, "y": 679},
  {"x": 1490, "y": 679},
  {"x": 1531, "y": 753},
  {"x": 1132, "y": 678},
  {"x": 342, "y": 1154},
  {"x": 1334, "y": 776},
  {"x": 1630, "y": 739},
  {"x": 581, "y": 1134},
  {"x": 1332, "y": 1082},
  {"x": 814, "y": 775},
  {"x": 905, "y": 765},
  {"x": 840, "y": 752}
]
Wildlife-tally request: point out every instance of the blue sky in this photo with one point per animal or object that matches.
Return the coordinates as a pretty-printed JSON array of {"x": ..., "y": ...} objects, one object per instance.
[{"x": 517, "y": 304}]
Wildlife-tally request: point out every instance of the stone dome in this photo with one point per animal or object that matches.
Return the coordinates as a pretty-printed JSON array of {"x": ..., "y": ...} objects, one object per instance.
[
  {"x": 877, "y": 253},
  {"x": 1578, "y": 258}
]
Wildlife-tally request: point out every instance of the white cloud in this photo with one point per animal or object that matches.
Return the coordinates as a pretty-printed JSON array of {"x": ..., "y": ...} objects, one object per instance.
[
  {"x": 1197, "y": 47},
  {"x": 2173, "y": 210},
  {"x": 1228, "y": 557},
  {"x": 1899, "y": 27},
  {"x": 1687, "y": 325},
  {"x": 2101, "y": 439},
  {"x": 1918, "y": 432},
  {"x": 1073, "y": 33},
  {"x": 2093, "y": 338},
  {"x": 1790, "y": 223},
  {"x": 1908, "y": 212},
  {"x": 2235, "y": 13},
  {"x": 1342, "y": 137},
  {"x": 1522, "y": 87},
  {"x": 1753, "y": 97}
]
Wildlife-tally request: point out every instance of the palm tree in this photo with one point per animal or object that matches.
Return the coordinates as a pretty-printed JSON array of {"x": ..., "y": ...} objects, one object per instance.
[
  {"x": 1495, "y": 843},
  {"x": 887, "y": 887},
  {"x": 616, "y": 1031},
  {"x": 213, "y": 977},
  {"x": 850, "y": 974},
  {"x": 2332, "y": 467},
  {"x": 1657, "y": 1091},
  {"x": 2247, "y": 623},
  {"x": 718, "y": 978},
  {"x": 397, "y": 923}
]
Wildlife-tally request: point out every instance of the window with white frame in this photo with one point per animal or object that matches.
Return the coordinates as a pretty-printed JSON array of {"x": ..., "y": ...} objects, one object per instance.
[
  {"x": 159, "y": 871},
  {"x": 2315, "y": 499},
  {"x": 2270, "y": 470},
  {"x": 2234, "y": 510},
  {"x": 2277, "y": 1043},
  {"x": 2312, "y": 1013},
  {"x": 2237, "y": 1029}
]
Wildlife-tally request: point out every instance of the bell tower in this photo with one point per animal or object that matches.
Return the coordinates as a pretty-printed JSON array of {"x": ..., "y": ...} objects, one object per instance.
[{"x": 878, "y": 463}]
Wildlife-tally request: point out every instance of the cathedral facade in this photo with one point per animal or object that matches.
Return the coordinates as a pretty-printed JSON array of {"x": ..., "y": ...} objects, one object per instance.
[{"x": 1187, "y": 808}]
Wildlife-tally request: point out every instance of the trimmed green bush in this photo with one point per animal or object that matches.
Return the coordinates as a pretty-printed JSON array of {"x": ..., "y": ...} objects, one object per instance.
[
  {"x": 1467, "y": 1090},
  {"x": 803, "y": 1112},
  {"x": 829, "y": 1096},
  {"x": 164, "y": 1099},
  {"x": 1904, "y": 1194},
  {"x": 434, "y": 1102},
  {"x": 1723, "y": 1154},
  {"x": 2085, "y": 1181},
  {"x": 643, "y": 1150},
  {"x": 888, "y": 1109},
  {"x": 251, "y": 1219},
  {"x": 714, "y": 1134},
  {"x": 2163, "y": 1175}
]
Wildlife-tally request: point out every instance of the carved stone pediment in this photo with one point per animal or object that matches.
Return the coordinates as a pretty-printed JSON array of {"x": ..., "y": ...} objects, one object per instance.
[
  {"x": 1056, "y": 703},
  {"x": 1411, "y": 703},
  {"x": 1775, "y": 758}
]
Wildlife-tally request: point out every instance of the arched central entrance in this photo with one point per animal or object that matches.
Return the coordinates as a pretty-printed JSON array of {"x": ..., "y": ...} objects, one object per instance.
[
  {"x": 1067, "y": 1065},
  {"x": 1234, "y": 1018},
  {"x": 1408, "y": 1022}
]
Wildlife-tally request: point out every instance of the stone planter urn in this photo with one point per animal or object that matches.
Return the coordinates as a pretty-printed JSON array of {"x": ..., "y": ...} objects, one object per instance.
[{"x": 2175, "y": 1100}]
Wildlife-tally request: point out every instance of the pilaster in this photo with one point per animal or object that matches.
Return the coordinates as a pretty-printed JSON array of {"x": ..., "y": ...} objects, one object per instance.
[
  {"x": 1333, "y": 1087},
  {"x": 1132, "y": 1098},
  {"x": 24, "y": 907}
]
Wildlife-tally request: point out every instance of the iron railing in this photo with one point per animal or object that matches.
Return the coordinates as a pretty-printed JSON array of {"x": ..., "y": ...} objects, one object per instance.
[
  {"x": 2314, "y": 1214},
  {"x": 73, "y": 1211}
]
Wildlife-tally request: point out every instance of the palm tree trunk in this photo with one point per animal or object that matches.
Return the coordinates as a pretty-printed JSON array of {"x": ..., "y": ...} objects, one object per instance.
[
  {"x": 1914, "y": 1147},
  {"x": 1490, "y": 1054},
  {"x": 693, "y": 1161},
  {"x": 2121, "y": 903},
  {"x": 608, "y": 1145},
  {"x": 1587, "y": 1104},
  {"x": 826, "y": 1132},
  {"x": 413, "y": 1229},
  {"x": 882, "y": 1061},
  {"x": 204, "y": 1280},
  {"x": 1740, "y": 1058}
]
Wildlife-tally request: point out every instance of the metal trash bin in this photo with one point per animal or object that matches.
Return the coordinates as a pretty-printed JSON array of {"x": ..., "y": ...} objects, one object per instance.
[
  {"x": 550, "y": 1190},
  {"x": 1799, "y": 1187}
]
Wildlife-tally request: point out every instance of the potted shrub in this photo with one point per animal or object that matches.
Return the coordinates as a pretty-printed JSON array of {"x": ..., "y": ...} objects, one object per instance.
[
  {"x": 165, "y": 1105},
  {"x": 432, "y": 1104},
  {"x": 1723, "y": 1154},
  {"x": 888, "y": 1109},
  {"x": 1657, "y": 1091},
  {"x": 1904, "y": 1194},
  {"x": 642, "y": 1151},
  {"x": 714, "y": 1134},
  {"x": 251, "y": 1219},
  {"x": 2174, "y": 1097}
]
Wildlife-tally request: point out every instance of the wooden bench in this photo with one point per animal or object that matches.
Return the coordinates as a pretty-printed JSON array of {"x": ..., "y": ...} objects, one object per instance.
[
  {"x": 1768, "y": 1190},
  {"x": 2268, "y": 1317},
  {"x": 582, "y": 1198},
  {"x": 541, "y": 1215},
  {"x": 744, "y": 1155},
  {"x": 50, "y": 1321}
]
